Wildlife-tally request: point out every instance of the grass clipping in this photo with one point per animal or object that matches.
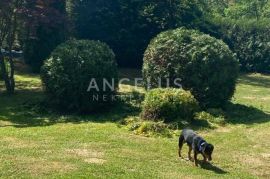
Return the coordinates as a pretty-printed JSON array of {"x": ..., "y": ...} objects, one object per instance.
[
  {"x": 150, "y": 128},
  {"x": 213, "y": 118}
]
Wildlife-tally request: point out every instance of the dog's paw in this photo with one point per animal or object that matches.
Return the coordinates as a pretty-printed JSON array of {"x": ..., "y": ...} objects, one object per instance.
[{"x": 181, "y": 158}]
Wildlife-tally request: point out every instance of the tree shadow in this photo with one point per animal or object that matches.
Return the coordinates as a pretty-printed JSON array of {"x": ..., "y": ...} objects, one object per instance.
[
  {"x": 211, "y": 167},
  {"x": 241, "y": 114},
  {"x": 199, "y": 125},
  {"x": 260, "y": 81},
  {"x": 27, "y": 108},
  {"x": 24, "y": 109}
]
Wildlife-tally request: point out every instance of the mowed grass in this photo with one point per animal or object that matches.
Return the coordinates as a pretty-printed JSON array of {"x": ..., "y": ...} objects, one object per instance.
[{"x": 37, "y": 143}]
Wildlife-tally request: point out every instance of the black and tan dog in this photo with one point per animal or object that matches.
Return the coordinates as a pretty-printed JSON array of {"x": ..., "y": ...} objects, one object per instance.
[{"x": 197, "y": 144}]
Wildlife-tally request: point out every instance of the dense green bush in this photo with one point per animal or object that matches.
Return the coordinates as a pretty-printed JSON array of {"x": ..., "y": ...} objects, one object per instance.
[
  {"x": 169, "y": 104},
  {"x": 70, "y": 70},
  {"x": 250, "y": 40},
  {"x": 203, "y": 64}
]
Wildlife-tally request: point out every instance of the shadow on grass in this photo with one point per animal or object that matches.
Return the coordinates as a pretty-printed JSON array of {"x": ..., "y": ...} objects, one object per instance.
[
  {"x": 232, "y": 114},
  {"x": 199, "y": 124},
  {"x": 27, "y": 109},
  {"x": 209, "y": 166},
  {"x": 241, "y": 114},
  {"x": 260, "y": 81}
]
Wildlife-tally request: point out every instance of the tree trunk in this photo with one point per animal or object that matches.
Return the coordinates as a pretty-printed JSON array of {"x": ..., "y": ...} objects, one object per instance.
[
  {"x": 11, "y": 72},
  {"x": 5, "y": 75}
]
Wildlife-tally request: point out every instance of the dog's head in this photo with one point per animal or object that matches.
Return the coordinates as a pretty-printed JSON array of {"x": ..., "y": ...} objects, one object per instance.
[{"x": 208, "y": 150}]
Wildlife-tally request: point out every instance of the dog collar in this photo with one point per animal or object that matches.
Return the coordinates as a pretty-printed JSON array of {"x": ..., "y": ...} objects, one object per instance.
[{"x": 201, "y": 146}]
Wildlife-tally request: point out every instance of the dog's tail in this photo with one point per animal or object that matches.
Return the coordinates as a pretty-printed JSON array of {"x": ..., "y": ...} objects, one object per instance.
[{"x": 180, "y": 144}]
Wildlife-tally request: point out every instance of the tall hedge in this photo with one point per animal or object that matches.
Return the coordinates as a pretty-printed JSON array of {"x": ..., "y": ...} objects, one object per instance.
[
  {"x": 202, "y": 64},
  {"x": 250, "y": 40}
]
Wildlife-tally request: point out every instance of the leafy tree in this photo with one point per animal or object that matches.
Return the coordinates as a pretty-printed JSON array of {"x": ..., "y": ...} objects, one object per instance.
[
  {"x": 44, "y": 30},
  {"x": 9, "y": 12},
  {"x": 239, "y": 9},
  {"x": 128, "y": 25}
]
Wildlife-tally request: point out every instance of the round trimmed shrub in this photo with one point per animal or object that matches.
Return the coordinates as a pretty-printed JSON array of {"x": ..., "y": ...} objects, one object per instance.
[
  {"x": 201, "y": 63},
  {"x": 73, "y": 77},
  {"x": 169, "y": 104}
]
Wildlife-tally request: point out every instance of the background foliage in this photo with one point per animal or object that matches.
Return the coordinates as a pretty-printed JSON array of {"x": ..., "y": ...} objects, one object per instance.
[
  {"x": 249, "y": 40},
  {"x": 44, "y": 28},
  {"x": 128, "y": 25}
]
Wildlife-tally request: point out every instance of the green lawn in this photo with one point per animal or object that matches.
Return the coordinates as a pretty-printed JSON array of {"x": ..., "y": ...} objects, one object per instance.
[{"x": 35, "y": 142}]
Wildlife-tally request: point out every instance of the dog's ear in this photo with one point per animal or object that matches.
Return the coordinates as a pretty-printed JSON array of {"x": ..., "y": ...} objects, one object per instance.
[{"x": 211, "y": 147}]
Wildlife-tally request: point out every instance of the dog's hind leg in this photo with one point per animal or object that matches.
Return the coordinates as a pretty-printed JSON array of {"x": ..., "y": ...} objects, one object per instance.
[
  {"x": 189, "y": 153},
  {"x": 195, "y": 158},
  {"x": 180, "y": 144}
]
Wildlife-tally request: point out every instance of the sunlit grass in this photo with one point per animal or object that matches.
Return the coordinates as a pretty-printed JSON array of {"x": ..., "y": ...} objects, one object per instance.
[{"x": 39, "y": 143}]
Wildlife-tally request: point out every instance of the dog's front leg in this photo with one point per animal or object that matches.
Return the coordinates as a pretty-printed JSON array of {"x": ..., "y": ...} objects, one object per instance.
[
  {"x": 195, "y": 158},
  {"x": 204, "y": 158},
  {"x": 179, "y": 153}
]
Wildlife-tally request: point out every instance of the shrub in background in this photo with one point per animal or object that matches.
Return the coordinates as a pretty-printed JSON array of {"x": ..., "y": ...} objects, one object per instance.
[
  {"x": 206, "y": 66},
  {"x": 250, "y": 40},
  {"x": 169, "y": 104},
  {"x": 67, "y": 74}
]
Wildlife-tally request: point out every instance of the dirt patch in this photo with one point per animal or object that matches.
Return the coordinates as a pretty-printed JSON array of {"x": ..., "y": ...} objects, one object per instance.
[
  {"x": 95, "y": 160},
  {"x": 46, "y": 167},
  {"x": 13, "y": 142},
  {"x": 223, "y": 129},
  {"x": 37, "y": 167},
  {"x": 265, "y": 99},
  {"x": 249, "y": 97},
  {"x": 89, "y": 156},
  {"x": 256, "y": 164},
  {"x": 266, "y": 156}
]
